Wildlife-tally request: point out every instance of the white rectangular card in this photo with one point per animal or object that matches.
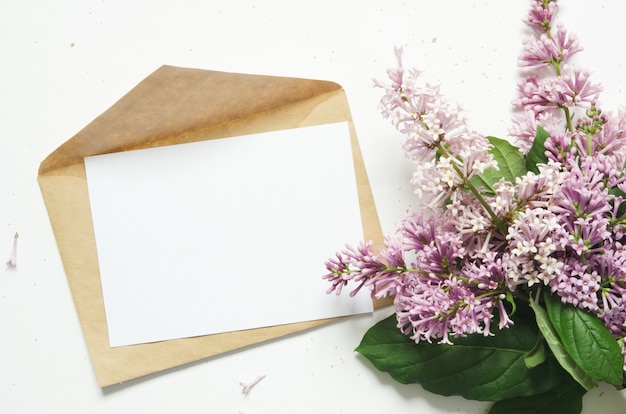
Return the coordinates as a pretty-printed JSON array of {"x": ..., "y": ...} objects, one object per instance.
[{"x": 223, "y": 235}]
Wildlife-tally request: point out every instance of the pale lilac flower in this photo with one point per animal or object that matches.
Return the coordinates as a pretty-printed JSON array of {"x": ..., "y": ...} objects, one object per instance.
[
  {"x": 470, "y": 221},
  {"x": 612, "y": 267},
  {"x": 439, "y": 177},
  {"x": 533, "y": 238},
  {"x": 577, "y": 284},
  {"x": 559, "y": 147},
  {"x": 435, "y": 249},
  {"x": 438, "y": 123},
  {"x": 538, "y": 52},
  {"x": 541, "y": 17},
  {"x": 434, "y": 307},
  {"x": 489, "y": 273},
  {"x": 525, "y": 123},
  {"x": 549, "y": 50},
  {"x": 550, "y": 122},
  {"x": 445, "y": 151},
  {"x": 611, "y": 139},
  {"x": 524, "y": 129},
  {"x": 427, "y": 182},
  {"x": 533, "y": 95},
  {"x": 566, "y": 44},
  {"x": 12, "y": 260},
  {"x": 583, "y": 193},
  {"x": 572, "y": 88},
  {"x": 599, "y": 286},
  {"x": 612, "y": 305},
  {"x": 352, "y": 264},
  {"x": 450, "y": 298},
  {"x": 247, "y": 386},
  {"x": 386, "y": 281},
  {"x": 608, "y": 142},
  {"x": 380, "y": 273},
  {"x": 537, "y": 190}
]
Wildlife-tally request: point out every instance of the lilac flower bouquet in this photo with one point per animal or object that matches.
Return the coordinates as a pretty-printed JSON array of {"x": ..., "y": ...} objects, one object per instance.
[{"x": 509, "y": 283}]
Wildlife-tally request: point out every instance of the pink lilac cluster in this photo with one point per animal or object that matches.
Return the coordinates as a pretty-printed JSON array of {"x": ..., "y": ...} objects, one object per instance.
[
  {"x": 438, "y": 138},
  {"x": 587, "y": 256},
  {"x": 561, "y": 228}
]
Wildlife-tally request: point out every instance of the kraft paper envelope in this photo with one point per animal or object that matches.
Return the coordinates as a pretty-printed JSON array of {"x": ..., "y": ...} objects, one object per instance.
[{"x": 172, "y": 106}]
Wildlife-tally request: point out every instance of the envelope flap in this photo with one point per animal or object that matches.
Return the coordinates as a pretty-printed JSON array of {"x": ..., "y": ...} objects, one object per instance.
[{"x": 175, "y": 105}]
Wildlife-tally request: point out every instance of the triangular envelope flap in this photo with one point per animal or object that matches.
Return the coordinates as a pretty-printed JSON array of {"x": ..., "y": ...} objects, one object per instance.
[{"x": 176, "y": 105}]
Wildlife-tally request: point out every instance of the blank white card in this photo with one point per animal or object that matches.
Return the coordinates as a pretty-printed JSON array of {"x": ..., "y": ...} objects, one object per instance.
[{"x": 223, "y": 235}]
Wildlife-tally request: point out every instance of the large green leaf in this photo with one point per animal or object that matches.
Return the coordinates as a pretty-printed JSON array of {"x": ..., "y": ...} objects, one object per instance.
[
  {"x": 537, "y": 153},
  {"x": 476, "y": 367},
  {"x": 566, "y": 398},
  {"x": 557, "y": 348},
  {"x": 511, "y": 165},
  {"x": 587, "y": 341}
]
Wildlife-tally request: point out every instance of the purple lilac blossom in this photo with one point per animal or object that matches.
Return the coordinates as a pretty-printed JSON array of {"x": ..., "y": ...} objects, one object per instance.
[
  {"x": 548, "y": 49},
  {"x": 446, "y": 152},
  {"x": 541, "y": 17}
]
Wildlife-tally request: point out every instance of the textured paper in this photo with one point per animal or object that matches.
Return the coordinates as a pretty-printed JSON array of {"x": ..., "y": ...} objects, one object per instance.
[
  {"x": 223, "y": 235},
  {"x": 173, "y": 106}
]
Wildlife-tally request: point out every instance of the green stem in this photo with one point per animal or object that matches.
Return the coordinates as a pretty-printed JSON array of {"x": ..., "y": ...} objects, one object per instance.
[
  {"x": 518, "y": 295},
  {"x": 491, "y": 293},
  {"x": 616, "y": 221},
  {"x": 557, "y": 67},
  {"x": 568, "y": 119},
  {"x": 537, "y": 296},
  {"x": 445, "y": 276},
  {"x": 568, "y": 116},
  {"x": 494, "y": 218}
]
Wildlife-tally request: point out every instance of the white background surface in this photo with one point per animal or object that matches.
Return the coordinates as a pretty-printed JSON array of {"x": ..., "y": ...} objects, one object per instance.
[{"x": 63, "y": 63}]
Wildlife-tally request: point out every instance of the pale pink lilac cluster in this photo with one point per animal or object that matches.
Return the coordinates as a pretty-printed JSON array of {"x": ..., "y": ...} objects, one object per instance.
[
  {"x": 444, "y": 149},
  {"x": 560, "y": 228}
]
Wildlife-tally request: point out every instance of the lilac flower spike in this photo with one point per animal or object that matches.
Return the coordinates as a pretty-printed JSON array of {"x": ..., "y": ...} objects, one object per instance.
[
  {"x": 573, "y": 88},
  {"x": 446, "y": 152},
  {"x": 12, "y": 260},
  {"x": 541, "y": 17},
  {"x": 549, "y": 49}
]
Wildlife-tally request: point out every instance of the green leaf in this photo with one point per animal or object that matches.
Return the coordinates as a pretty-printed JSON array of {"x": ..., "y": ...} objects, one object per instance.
[
  {"x": 587, "y": 341},
  {"x": 476, "y": 367},
  {"x": 511, "y": 165},
  {"x": 511, "y": 300},
  {"x": 537, "y": 355},
  {"x": 566, "y": 398},
  {"x": 537, "y": 153},
  {"x": 559, "y": 351}
]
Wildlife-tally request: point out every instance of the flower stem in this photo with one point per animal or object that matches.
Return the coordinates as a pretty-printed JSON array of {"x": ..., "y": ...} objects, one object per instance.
[
  {"x": 568, "y": 119},
  {"x": 494, "y": 218},
  {"x": 466, "y": 183}
]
